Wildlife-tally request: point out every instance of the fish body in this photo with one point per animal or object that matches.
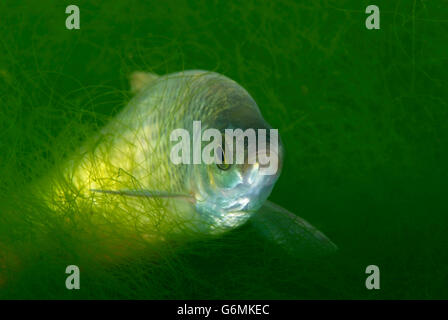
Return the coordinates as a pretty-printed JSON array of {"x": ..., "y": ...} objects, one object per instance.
[{"x": 125, "y": 174}]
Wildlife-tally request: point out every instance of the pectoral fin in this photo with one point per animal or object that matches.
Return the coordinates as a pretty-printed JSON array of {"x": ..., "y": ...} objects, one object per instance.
[
  {"x": 291, "y": 232},
  {"x": 146, "y": 194}
]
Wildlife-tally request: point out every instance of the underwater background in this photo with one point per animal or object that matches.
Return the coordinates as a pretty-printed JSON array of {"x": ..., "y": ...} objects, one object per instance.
[{"x": 363, "y": 115}]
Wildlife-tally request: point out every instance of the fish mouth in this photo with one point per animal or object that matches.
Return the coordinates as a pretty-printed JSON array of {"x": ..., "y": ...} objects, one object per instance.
[
  {"x": 241, "y": 204},
  {"x": 225, "y": 221}
]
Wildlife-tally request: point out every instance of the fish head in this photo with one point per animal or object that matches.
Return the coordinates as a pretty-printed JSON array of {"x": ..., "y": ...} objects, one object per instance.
[{"x": 229, "y": 191}]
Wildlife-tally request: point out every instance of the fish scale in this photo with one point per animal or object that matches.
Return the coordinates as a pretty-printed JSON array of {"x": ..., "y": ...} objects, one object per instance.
[{"x": 171, "y": 102}]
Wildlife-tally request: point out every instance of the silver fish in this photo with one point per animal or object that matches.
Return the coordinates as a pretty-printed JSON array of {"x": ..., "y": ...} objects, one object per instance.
[{"x": 125, "y": 172}]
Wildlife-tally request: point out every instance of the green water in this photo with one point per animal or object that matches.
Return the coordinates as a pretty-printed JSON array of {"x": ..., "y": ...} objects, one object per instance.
[{"x": 363, "y": 115}]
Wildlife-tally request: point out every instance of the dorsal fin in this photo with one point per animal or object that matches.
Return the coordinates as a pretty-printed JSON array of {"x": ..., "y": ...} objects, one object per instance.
[{"x": 139, "y": 79}]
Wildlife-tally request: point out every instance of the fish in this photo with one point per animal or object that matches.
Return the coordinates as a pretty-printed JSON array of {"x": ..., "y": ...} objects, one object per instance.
[{"x": 124, "y": 174}]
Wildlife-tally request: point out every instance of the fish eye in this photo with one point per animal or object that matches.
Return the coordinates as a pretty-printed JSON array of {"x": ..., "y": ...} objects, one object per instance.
[{"x": 223, "y": 165}]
